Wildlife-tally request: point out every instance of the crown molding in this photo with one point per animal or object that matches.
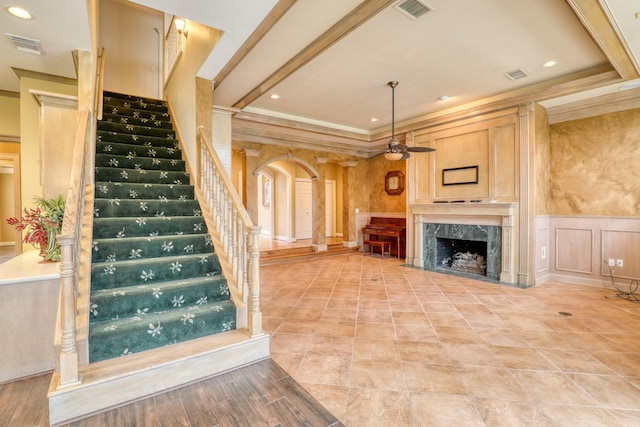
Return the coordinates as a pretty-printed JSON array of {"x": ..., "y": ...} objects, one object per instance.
[{"x": 20, "y": 72}]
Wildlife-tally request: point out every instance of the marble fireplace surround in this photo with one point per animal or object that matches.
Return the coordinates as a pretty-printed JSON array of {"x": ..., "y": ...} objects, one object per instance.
[{"x": 503, "y": 215}]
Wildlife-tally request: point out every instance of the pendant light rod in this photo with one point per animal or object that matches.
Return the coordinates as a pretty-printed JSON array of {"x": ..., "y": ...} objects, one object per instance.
[{"x": 392, "y": 85}]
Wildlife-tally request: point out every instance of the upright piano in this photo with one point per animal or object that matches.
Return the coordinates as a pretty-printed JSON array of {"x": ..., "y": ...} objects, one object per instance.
[{"x": 390, "y": 229}]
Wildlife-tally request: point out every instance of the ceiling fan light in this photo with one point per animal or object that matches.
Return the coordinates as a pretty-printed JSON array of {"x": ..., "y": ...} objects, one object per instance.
[{"x": 392, "y": 156}]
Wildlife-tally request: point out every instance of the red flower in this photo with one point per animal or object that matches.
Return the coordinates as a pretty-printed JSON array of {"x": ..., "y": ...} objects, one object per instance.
[{"x": 36, "y": 224}]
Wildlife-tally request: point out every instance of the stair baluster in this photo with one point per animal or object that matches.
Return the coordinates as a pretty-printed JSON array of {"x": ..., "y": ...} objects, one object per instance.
[{"x": 238, "y": 236}]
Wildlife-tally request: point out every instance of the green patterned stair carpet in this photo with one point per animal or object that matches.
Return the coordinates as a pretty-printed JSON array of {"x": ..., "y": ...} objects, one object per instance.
[{"x": 155, "y": 279}]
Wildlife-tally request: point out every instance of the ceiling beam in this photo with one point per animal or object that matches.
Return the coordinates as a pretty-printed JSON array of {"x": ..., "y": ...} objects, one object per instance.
[
  {"x": 261, "y": 30},
  {"x": 605, "y": 33},
  {"x": 358, "y": 16}
]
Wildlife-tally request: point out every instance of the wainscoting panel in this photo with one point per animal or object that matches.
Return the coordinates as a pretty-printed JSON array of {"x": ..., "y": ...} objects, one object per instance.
[
  {"x": 580, "y": 248},
  {"x": 621, "y": 245},
  {"x": 574, "y": 250}
]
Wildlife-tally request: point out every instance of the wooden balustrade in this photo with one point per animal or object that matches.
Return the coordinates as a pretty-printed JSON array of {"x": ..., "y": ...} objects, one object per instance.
[
  {"x": 70, "y": 237},
  {"x": 238, "y": 237}
]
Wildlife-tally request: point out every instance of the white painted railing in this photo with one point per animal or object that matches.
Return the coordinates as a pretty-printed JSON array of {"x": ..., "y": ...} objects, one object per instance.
[{"x": 237, "y": 237}]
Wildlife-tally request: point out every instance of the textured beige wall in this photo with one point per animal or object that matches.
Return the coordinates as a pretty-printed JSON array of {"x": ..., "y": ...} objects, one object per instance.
[
  {"x": 9, "y": 116},
  {"x": 542, "y": 161},
  {"x": 132, "y": 48},
  {"x": 379, "y": 200},
  {"x": 180, "y": 90},
  {"x": 595, "y": 164}
]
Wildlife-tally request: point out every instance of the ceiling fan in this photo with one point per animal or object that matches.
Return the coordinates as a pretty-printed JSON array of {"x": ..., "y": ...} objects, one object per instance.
[{"x": 395, "y": 150}]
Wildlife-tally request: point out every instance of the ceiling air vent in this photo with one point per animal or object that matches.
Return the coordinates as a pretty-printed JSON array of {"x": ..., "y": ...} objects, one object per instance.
[
  {"x": 26, "y": 44},
  {"x": 515, "y": 74},
  {"x": 413, "y": 8}
]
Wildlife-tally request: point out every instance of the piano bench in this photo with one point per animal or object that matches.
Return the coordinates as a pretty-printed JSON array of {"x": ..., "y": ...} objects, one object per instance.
[{"x": 382, "y": 244}]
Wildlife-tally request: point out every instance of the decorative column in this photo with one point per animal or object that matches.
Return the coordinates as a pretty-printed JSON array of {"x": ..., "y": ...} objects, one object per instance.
[
  {"x": 318, "y": 207},
  {"x": 221, "y": 139},
  {"x": 349, "y": 234},
  {"x": 252, "y": 158},
  {"x": 526, "y": 223}
]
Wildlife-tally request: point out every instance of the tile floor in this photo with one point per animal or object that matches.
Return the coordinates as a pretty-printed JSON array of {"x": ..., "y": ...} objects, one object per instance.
[{"x": 380, "y": 344}]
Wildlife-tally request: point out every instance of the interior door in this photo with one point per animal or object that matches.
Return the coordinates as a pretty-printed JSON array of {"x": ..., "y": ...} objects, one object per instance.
[{"x": 304, "y": 223}]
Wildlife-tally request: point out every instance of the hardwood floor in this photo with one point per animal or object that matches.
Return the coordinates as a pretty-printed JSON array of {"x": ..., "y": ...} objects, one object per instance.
[{"x": 258, "y": 394}]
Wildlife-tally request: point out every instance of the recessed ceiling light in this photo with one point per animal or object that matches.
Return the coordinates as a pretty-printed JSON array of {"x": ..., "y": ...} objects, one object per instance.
[
  {"x": 374, "y": 119},
  {"x": 19, "y": 12},
  {"x": 549, "y": 64},
  {"x": 275, "y": 96},
  {"x": 443, "y": 98}
]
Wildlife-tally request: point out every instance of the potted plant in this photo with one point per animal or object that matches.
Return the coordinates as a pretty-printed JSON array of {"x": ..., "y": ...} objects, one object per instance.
[{"x": 42, "y": 224}]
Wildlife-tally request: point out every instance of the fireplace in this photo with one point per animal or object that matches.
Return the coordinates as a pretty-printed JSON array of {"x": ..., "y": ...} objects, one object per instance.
[
  {"x": 463, "y": 248},
  {"x": 494, "y": 224}
]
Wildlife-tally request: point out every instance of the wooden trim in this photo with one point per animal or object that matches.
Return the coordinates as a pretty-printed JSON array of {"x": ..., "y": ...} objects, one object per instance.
[
  {"x": 358, "y": 16},
  {"x": 10, "y": 138},
  {"x": 261, "y": 30},
  {"x": 20, "y": 72},
  {"x": 9, "y": 94},
  {"x": 604, "y": 104},
  {"x": 598, "y": 23}
]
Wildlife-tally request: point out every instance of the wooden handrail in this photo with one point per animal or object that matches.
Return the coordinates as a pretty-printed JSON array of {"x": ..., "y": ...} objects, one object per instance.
[{"x": 99, "y": 84}]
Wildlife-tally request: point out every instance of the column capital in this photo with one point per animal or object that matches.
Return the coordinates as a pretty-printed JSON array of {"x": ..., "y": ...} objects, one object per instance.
[
  {"x": 250, "y": 152},
  {"x": 348, "y": 163}
]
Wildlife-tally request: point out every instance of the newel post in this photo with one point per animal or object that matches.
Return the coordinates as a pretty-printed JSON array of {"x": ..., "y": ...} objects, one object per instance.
[
  {"x": 255, "y": 315},
  {"x": 69, "y": 351}
]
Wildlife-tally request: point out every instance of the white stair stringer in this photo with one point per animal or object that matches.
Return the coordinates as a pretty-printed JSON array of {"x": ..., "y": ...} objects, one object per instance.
[{"x": 114, "y": 382}]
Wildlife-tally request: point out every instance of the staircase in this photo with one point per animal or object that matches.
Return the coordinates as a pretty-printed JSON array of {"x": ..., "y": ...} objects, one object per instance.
[
  {"x": 168, "y": 293},
  {"x": 155, "y": 279}
]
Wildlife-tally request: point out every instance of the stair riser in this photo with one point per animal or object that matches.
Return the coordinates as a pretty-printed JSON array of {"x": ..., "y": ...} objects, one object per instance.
[
  {"x": 121, "y": 190},
  {"x": 169, "y": 333},
  {"x": 153, "y": 120},
  {"x": 132, "y": 175},
  {"x": 129, "y": 273},
  {"x": 144, "y": 300},
  {"x": 145, "y": 208},
  {"x": 166, "y": 246},
  {"x": 119, "y": 149},
  {"x": 110, "y": 102},
  {"x": 136, "y": 130},
  {"x": 146, "y": 163},
  {"x": 107, "y": 228},
  {"x": 141, "y": 140}
]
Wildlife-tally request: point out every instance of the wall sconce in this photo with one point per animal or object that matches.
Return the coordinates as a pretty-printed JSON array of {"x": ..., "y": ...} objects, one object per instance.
[{"x": 181, "y": 26}]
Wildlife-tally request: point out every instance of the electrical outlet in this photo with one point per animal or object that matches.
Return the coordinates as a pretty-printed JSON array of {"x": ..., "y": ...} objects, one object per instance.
[
  {"x": 619, "y": 263},
  {"x": 543, "y": 252},
  {"x": 612, "y": 262}
]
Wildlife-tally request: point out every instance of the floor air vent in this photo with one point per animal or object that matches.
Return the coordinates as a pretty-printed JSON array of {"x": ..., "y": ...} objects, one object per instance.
[
  {"x": 26, "y": 44},
  {"x": 413, "y": 8}
]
